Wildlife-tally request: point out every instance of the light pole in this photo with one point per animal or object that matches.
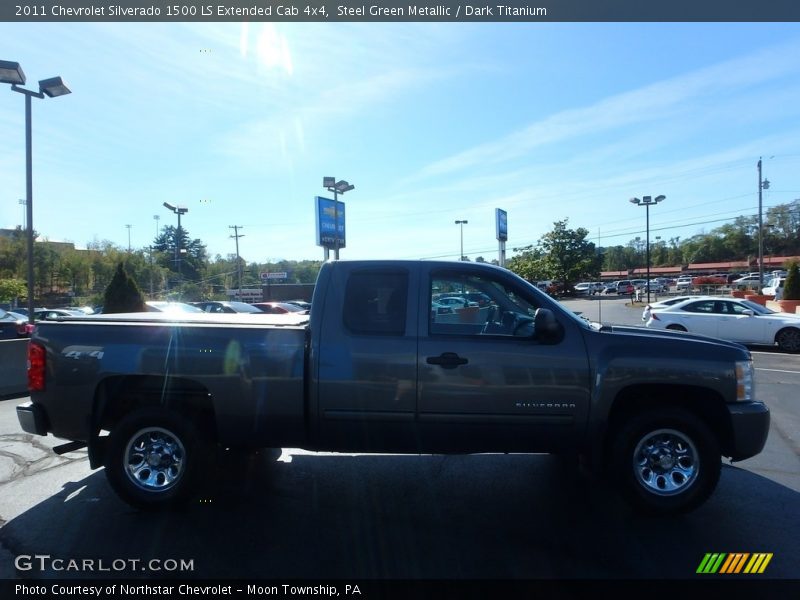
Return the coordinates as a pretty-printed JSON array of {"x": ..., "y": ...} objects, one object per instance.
[
  {"x": 647, "y": 201},
  {"x": 178, "y": 210},
  {"x": 337, "y": 187},
  {"x": 128, "y": 227},
  {"x": 157, "y": 218},
  {"x": 763, "y": 184},
  {"x": 462, "y": 223},
  {"x": 11, "y": 72}
]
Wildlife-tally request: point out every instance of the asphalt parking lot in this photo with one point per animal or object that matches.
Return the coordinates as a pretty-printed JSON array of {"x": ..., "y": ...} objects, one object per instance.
[{"x": 614, "y": 310}]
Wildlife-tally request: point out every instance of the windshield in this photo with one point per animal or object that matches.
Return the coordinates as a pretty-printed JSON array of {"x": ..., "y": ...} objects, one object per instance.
[{"x": 758, "y": 308}]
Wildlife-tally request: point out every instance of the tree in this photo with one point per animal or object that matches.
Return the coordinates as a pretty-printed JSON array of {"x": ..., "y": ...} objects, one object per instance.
[
  {"x": 11, "y": 289},
  {"x": 122, "y": 294},
  {"x": 791, "y": 287},
  {"x": 528, "y": 264},
  {"x": 567, "y": 256},
  {"x": 193, "y": 259}
]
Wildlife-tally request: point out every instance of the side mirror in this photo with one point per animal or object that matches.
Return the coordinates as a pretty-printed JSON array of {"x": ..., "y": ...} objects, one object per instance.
[
  {"x": 749, "y": 313},
  {"x": 548, "y": 329}
]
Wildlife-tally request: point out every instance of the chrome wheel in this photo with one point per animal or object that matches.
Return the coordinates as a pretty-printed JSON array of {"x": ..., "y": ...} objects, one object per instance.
[
  {"x": 666, "y": 462},
  {"x": 154, "y": 459}
]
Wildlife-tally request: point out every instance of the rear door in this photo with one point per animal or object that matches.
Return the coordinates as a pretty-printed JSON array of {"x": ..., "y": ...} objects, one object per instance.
[
  {"x": 367, "y": 360},
  {"x": 485, "y": 382}
]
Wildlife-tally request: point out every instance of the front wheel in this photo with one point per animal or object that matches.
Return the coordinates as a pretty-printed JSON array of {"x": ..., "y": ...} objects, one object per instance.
[
  {"x": 788, "y": 340},
  {"x": 154, "y": 458},
  {"x": 666, "y": 461}
]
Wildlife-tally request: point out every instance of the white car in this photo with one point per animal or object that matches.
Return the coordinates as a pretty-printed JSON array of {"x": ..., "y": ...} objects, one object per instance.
[
  {"x": 456, "y": 302},
  {"x": 669, "y": 302},
  {"x": 773, "y": 285},
  {"x": 590, "y": 288},
  {"x": 683, "y": 283},
  {"x": 170, "y": 307},
  {"x": 730, "y": 319}
]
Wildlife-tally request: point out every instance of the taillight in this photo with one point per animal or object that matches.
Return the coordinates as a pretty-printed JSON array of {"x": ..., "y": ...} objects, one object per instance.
[
  {"x": 654, "y": 316},
  {"x": 36, "y": 366}
]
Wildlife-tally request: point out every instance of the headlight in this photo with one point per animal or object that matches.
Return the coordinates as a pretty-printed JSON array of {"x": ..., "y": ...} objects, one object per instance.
[{"x": 744, "y": 381}]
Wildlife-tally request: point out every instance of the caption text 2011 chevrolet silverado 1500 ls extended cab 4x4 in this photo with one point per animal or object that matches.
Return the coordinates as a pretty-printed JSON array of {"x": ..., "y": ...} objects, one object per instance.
[{"x": 380, "y": 365}]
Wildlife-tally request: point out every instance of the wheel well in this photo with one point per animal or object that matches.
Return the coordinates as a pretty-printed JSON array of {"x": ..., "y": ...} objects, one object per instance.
[
  {"x": 706, "y": 404},
  {"x": 118, "y": 396}
]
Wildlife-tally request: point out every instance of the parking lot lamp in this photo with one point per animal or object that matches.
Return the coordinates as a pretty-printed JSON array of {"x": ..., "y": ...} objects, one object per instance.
[
  {"x": 647, "y": 201},
  {"x": 11, "y": 72},
  {"x": 178, "y": 210},
  {"x": 462, "y": 223}
]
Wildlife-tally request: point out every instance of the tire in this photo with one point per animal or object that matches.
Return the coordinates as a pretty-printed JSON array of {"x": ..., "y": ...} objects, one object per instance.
[
  {"x": 154, "y": 459},
  {"x": 788, "y": 339},
  {"x": 676, "y": 327},
  {"x": 665, "y": 461}
]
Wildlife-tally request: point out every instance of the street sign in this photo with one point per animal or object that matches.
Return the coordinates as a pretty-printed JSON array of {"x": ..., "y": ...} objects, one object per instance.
[{"x": 276, "y": 275}]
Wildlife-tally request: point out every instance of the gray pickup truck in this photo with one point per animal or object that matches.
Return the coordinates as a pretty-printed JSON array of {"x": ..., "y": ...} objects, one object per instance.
[{"x": 381, "y": 365}]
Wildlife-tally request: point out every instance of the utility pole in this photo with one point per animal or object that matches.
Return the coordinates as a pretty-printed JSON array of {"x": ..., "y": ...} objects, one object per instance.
[
  {"x": 129, "y": 238},
  {"x": 150, "y": 248},
  {"x": 763, "y": 184},
  {"x": 236, "y": 235}
]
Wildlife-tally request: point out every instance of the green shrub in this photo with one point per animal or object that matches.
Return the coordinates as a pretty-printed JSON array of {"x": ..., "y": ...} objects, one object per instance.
[{"x": 791, "y": 287}]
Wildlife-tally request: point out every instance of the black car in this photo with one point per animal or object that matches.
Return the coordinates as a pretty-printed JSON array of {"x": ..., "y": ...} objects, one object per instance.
[{"x": 13, "y": 326}]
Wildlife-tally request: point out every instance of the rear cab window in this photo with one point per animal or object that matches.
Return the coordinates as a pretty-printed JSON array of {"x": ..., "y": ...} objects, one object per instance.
[{"x": 375, "y": 302}]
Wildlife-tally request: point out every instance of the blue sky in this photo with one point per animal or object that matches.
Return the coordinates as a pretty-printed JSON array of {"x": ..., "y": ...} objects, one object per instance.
[{"x": 430, "y": 122}]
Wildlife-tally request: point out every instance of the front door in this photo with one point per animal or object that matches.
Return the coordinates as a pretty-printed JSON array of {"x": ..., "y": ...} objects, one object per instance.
[{"x": 486, "y": 383}]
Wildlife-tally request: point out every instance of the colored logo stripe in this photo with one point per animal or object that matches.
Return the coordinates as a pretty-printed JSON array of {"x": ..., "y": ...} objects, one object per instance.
[
  {"x": 710, "y": 563},
  {"x": 723, "y": 563},
  {"x": 758, "y": 563},
  {"x": 734, "y": 563}
]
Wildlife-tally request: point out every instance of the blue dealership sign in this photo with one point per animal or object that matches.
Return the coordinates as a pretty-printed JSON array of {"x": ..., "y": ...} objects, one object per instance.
[
  {"x": 501, "y": 218},
  {"x": 330, "y": 220}
]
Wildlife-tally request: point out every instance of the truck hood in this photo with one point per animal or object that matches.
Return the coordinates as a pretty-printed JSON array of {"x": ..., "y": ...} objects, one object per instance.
[{"x": 642, "y": 332}]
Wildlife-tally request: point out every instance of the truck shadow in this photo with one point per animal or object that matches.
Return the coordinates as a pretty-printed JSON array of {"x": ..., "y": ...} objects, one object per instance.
[{"x": 341, "y": 516}]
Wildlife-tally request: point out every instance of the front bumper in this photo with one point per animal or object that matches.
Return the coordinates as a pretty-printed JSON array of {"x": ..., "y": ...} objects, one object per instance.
[
  {"x": 32, "y": 418},
  {"x": 750, "y": 428}
]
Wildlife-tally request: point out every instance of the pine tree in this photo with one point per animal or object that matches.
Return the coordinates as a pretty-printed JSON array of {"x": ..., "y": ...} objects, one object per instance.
[{"x": 122, "y": 294}]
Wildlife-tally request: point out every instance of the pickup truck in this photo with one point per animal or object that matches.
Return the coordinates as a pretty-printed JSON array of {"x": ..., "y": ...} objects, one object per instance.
[{"x": 373, "y": 368}]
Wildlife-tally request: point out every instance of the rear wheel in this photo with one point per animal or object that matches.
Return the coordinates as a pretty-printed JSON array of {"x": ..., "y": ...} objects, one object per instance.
[
  {"x": 155, "y": 458},
  {"x": 666, "y": 461},
  {"x": 788, "y": 339}
]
